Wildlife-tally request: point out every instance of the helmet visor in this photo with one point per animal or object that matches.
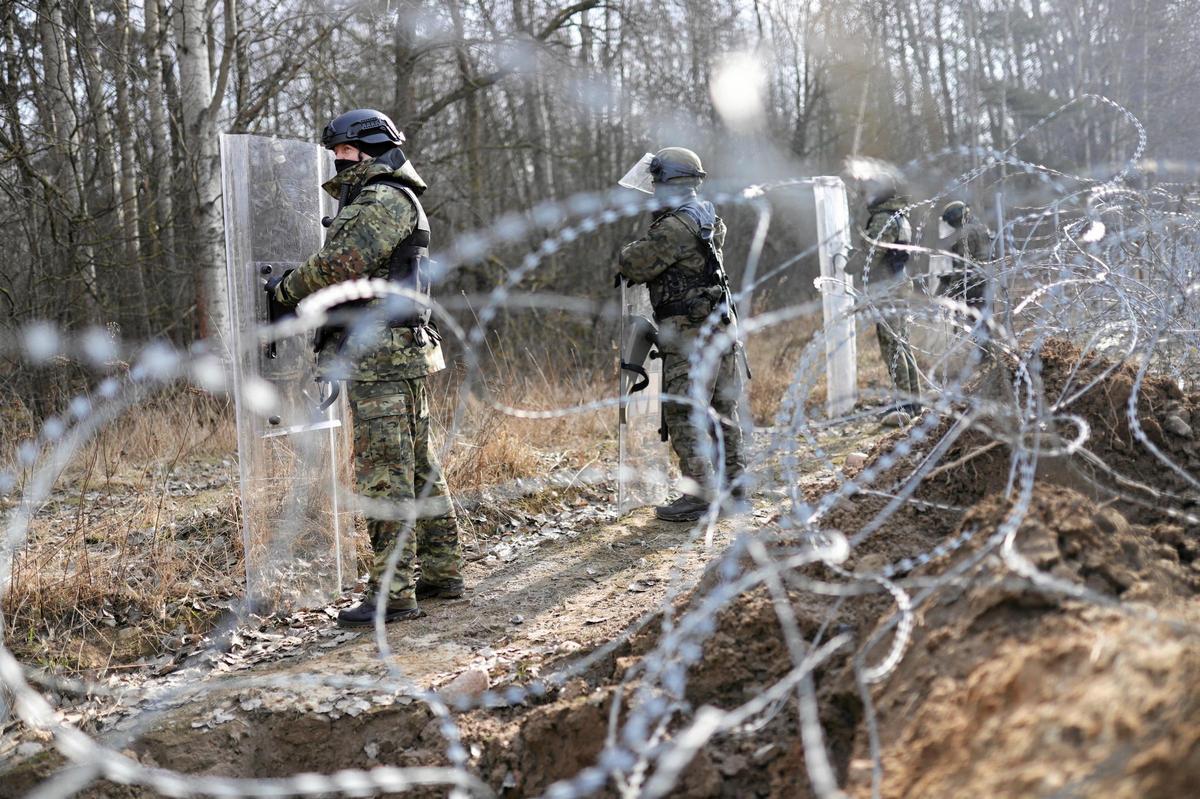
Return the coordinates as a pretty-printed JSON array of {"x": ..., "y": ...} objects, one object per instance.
[{"x": 639, "y": 178}]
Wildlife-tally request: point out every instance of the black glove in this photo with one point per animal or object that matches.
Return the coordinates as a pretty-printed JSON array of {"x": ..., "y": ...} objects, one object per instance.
[{"x": 276, "y": 310}]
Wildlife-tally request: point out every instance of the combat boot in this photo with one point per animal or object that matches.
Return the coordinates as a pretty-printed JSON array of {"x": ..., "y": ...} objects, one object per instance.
[
  {"x": 450, "y": 589},
  {"x": 685, "y": 509},
  {"x": 901, "y": 415},
  {"x": 738, "y": 501},
  {"x": 363, "y": 614}
]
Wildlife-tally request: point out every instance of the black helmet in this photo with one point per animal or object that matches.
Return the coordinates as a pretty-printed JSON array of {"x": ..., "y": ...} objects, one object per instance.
[
  {"x": 361, "y": 126},
  {"x": 956, "y": 213}
]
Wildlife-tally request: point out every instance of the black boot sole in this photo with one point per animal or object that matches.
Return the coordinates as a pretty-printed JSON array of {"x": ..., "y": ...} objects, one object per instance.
[
  {"x": 392, "y": 615},
  {"x": 684, "y": 518},
  {"x": 439, "y": 592}
]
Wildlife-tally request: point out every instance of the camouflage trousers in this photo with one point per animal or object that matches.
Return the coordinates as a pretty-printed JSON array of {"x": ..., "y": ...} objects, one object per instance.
[
  {"x": 892, "y": 332},
  {"x": 970, "y": 288},
  {"x": 723, "y": 390},
  {"x": 395, "y": 465}
]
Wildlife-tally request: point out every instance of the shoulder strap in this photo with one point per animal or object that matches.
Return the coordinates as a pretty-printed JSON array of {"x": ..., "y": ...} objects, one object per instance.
[
  {"x": 420, "y": 234},
  {"x": 408, "y": 264}
]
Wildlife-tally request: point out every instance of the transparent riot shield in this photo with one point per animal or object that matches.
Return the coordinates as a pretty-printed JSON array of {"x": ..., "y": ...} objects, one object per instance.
[
  {"x": 644, "y": 470},
  {"x": 934, "y": 336},
  {"x": 293, "y": 444}
]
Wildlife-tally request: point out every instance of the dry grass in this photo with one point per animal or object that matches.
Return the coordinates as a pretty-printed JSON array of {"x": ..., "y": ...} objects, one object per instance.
[
  {"x": 140, "y": 544},
  {"x": 775, "y": 354},
  {"x": 110, "y": 590},
  {"x": 138, "y": 540},
  {"x": 493, "y": 447},
  {"x": 177, "y": 422}
]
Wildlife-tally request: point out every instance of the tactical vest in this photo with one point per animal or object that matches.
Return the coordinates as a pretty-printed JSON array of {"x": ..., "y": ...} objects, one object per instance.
[
  {"x": 895, "y": 260},
  {"x": 674, "y": 284},
  {"x": 408, "y": 266}
]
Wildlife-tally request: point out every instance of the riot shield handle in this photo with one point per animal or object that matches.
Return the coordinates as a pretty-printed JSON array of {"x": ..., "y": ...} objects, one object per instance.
[
  {"x": 275, "y": 309},
  {"x": 642, "y": 338},
  {"x": 335, "y": 388}
]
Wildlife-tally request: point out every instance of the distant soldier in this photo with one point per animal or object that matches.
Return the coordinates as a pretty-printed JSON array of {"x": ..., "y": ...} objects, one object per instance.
[
  {"x": 971, "y": 241},
  {"x": 887, "y": 281},
  {"x": 381, "y": 231},
  {"x": 680, "y": 260}
]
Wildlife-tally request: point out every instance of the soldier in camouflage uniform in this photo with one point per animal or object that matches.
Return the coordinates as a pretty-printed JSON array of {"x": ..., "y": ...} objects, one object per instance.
[
  {"x": 380, "y": 231},
  {"x": 680, "y": 261},
  {"x": 966, "y": 282},
  {"x": 886, "y": 279},
  {"x": 971, "y": 241}
]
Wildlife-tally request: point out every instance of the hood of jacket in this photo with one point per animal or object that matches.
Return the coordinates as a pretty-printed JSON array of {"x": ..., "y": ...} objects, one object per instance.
[
  {"x": 891, "y": 204},
  {"x": 702, "y": 213},
  {"x": 391, "y": 164}
]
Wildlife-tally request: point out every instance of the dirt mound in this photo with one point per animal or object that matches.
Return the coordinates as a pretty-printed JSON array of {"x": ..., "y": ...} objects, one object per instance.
[
  {"x": 1165, "y": 415},
  {"x": 1006, "y": 689},
  {"x": 1068, "y": 536},
  {"x": 1009, "y": 691},
  {"x": 1115, "y": 461}
]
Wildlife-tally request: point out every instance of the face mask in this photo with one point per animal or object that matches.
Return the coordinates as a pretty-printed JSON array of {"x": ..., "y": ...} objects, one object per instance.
[
  {"x": 342, "y": 164},
  {"x": 945, "y": 229}
]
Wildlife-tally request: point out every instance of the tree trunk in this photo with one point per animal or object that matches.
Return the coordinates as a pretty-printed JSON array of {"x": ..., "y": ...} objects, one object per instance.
[
  {"x": 471, "y": 139},
  {"x": 134, "y": 262},
  {"x": 203, "y": 162},
  {"x": 112, "y": 246},
  {"x": 76, "y": 254},
  {"x": 160, "y": 179},
  {"x": 404, "y": 104}
]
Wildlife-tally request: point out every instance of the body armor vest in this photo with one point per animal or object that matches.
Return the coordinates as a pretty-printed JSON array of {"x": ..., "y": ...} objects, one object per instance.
[
  {"x": 895, "y": 260},
  {"x": 674, "y": 285},
  {"x": 408, "y": 266}
]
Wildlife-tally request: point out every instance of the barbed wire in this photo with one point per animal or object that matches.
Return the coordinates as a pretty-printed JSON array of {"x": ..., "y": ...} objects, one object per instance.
[{"x": 1080, "y": 267}]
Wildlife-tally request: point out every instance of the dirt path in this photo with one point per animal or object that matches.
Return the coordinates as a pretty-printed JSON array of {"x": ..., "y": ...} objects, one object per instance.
[
  {"x": 559, "y": 585},
  {"x": 551, "y": 598}
]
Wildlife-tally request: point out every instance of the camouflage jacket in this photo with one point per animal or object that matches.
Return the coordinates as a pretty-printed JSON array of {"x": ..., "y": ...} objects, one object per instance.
[
  {"x": 670, "y": 261},
  {"x": 359, "y": 244},
  {"x": 887, "y": 223},
  {"x": 973, "y": 242}
]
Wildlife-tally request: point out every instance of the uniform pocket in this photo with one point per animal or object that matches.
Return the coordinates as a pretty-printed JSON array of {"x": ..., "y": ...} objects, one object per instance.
[
  {"x": 380, "y": 407},
  {"x": 344, "y": 218}
]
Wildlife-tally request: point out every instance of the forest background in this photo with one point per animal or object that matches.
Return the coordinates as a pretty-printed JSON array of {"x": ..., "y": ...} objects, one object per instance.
[{"x": 111, "y": 110}]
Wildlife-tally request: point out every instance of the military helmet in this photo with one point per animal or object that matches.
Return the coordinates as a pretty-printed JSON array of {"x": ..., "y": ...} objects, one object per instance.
[
  {"x": 956, "y": 213},
  {"x": 361, "y": 126},
  {"x": 676, "y": 163}
]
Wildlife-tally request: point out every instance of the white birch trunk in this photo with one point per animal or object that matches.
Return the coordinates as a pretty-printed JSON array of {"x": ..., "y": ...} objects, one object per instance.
[
  {"x": 200, "y": 141},
  {"x": 134, "y": 262},
  {"x": 64, "y": 124}
]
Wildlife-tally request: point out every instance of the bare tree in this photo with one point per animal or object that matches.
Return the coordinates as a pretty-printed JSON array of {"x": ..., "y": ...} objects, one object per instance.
[{"x": 109, "y": 131}]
